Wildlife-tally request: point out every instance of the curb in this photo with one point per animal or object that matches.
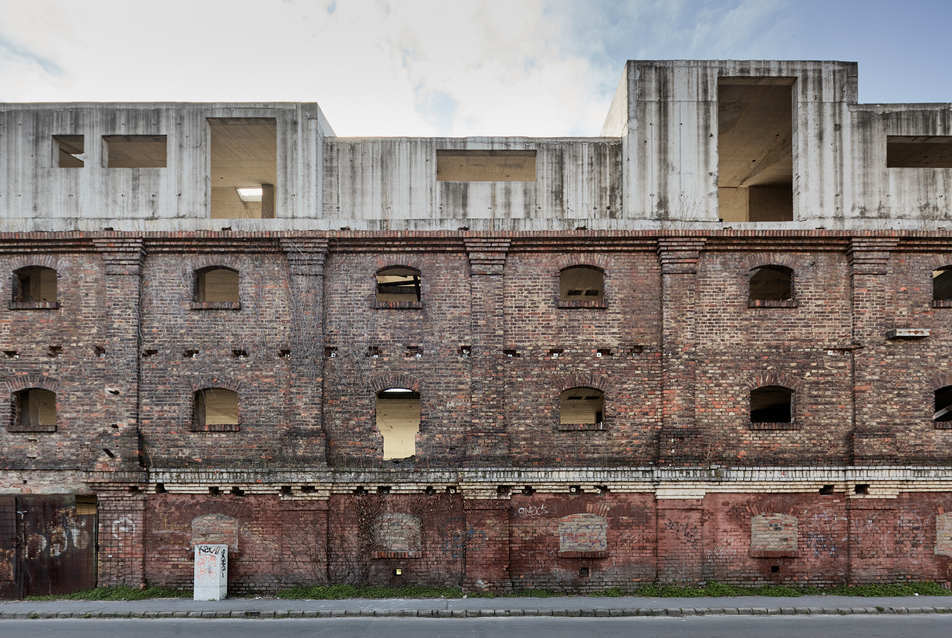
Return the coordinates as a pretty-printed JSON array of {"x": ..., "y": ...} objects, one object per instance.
[{"x": 676, "y": 612}]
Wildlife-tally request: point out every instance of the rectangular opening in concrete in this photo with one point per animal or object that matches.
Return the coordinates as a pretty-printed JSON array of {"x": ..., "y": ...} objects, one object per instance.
[
  {"x": 244, "y": 167},
  {"x": 755, "y": 149},
  {"x": 68, "y": 151},
  {"x": 134, "y": 151},
  {"x": 485, "y": 166},
  {"x": 919, "y": 151}
]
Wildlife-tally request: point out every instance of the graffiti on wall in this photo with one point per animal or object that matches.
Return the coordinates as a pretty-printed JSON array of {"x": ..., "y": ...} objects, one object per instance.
[{"x": 583, "y": 533}]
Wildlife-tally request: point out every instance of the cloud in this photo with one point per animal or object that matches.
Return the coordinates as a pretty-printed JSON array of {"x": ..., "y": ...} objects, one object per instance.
[{"x": 377, "y": 67}]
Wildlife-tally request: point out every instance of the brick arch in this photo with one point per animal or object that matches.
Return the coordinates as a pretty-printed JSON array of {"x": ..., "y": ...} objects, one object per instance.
[
  {"x": 45, "y": 261},
  {"x": 940, "y": 380},
  {"x": 211, "y": 261},
  {"x": 393, "y": 380},
  {"x": 773, "y": 377},
  {"x": 584, "y": 380},
  {"x": 15, "y": 384},
  {"x": 756, "y": 260},
  {"x": 205, "y": 382},
  {"x": 595, "y": 260}
]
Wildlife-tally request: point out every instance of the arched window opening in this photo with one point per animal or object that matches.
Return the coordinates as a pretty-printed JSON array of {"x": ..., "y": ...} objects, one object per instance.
[
  {"x": 581, "y": 283},
  {"x": 398, "y": 284},
  {"x": 398, "y": 421},
  {"x": 943, "y": 404},
  {"x": 34, "y": 409},
  {"x": 216, "y": 284},
  {"x": 34, "y": 284},
  {"x": 216, "y": 409},
  {"x": 582, "y": 406},
  {"x": 771, "y": 284},
  {"x": 942, "y": 284},
  {"x": 771, "y": 404}
]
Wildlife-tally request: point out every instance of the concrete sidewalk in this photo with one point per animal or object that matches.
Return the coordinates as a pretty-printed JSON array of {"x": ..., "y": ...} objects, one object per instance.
[{"x": 473, "y": 607}]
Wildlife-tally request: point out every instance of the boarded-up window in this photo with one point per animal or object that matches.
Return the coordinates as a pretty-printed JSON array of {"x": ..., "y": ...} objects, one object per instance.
[
  {"x": 583, "y": 535},
  {"x": 771, "y": 404},
  {"x": 398, "y": 285},
  {"x": 34, "y": 284},
  {"x": 581, "y": 284},
  {"x": 578, "y": 406},
  {"x": 134, "y": 151},
  {"x": 216, "y": 410},
  {"x": 33, "y": 410},
  {"x": 398, "y": 420},
  {"x": 68, "y": 151},
  {"x": 943, "y": 534},
  {"x": 216, "y": 285},
  {"x": 773, "y": 535},
  {"x": 919, "y": 151},
  {"x": 770, "y": 286},
  {"x": 215, "y": 529},
  {"x": 486, "y": 166},
  {"x": 398, "y": 535}
]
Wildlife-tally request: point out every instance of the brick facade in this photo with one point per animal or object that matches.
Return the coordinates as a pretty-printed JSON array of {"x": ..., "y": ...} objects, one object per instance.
[{"x": 676, "y": 485}]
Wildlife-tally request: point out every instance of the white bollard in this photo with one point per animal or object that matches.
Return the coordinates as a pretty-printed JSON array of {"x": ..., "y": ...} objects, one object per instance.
[{"x": 211, "y": 572}]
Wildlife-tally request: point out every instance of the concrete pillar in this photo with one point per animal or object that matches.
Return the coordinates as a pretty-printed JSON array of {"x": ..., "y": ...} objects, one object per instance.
[
  {"x": 487, "y": 440},
  {"x": 681, "y": 440},
  {"x": 305, "y": 438},
  {"x": 872, "y": 438}
]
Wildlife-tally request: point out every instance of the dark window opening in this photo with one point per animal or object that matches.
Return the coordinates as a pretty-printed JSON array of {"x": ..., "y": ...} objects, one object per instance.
[
  {"x": 398, "y": 284},
  {"x": 771, "y": 404},
  {"x": 69, "y": 151},
  {"x": 485, "y": 166},
  {"x": 34, "y": 284},
  {"x": 755, "y": 149},
  {"x": 244, "y": 167},
  {"x": 398, "y": 421},
  {"x": 215, "y": 410},
  {"x": 134, "y": 151},
  {"x": 942, "y": 284},
  {"x": 943, "y": 404},
  {"x": 581, "y": 283},
  {"x": 771, "y": 284},
  {"x": 216, "y": 285},
  {"x": 34, "y": 410},
  {"x": 919, "y": 151},
  {"x": 582, "y": 406}
]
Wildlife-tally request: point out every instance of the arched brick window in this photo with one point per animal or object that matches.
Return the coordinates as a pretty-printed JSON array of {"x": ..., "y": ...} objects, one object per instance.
[
  {"x": 581, "y": 286},
  {"x": 216, "y": 285},
  {"x": 582, "y": 406},
  {"x": 942, "y": 286},
  {"x": 771, "y": 404},
  {"x": 397, "y": 285},
  {"x": 398, "y": 421},
  {"x": 771, "y": 286},
  {"x": 34, "y": 286},
  {"x": 215, "y": 410},
  {"x": 33, "y": 410}
]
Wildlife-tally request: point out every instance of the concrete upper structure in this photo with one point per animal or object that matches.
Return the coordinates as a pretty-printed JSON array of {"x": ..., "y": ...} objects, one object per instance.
[{"x": 686, "y": 144}]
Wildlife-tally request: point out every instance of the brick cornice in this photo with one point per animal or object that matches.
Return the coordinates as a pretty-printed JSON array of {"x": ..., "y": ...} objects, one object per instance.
[
  {"x": 870, "y": 255},
  {"x": 487, "y": 255},
  {"x": 679, "y": 255},
  {"x": 306, "y": 256},
  {"x": 122, "y": 255}
]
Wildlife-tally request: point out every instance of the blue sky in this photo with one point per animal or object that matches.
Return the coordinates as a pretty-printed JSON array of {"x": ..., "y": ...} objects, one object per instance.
[{"x": 457, "y": 67}]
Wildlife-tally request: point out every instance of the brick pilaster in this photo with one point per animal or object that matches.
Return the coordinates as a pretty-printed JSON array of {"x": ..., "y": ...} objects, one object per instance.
[
  {"x": 305, "y": 439},
  {"x": 680, "y": 440},
  {"x": 486, "y": 566},
  {"x": 487, "y": 441},
  {"x": 121, "y": 538}
]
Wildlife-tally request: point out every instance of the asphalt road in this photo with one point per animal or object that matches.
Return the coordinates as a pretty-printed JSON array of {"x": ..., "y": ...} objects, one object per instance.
[{"x": 876, "y": 626}]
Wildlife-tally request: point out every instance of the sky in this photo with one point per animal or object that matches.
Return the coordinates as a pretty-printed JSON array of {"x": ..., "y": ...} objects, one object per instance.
[{"x": 450, "y": 68}]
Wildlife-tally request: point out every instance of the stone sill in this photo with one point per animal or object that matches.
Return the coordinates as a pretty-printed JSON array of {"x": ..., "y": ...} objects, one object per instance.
[
  {"x": 772, "y": 303},
  {"x": 774, "y": 553},
  {"x": 942, "y": 303},
  {"x": 398, "y": 305},
  {"x": 217, "y": 427},
  {"x": 943, "y": 425},
  {"x": 400, "y": 555},
  {"x": 774, "y": 426},
  {"x": 216, "y": 305},
  {"x": 592, "y": 554},
  {"x": 596, "y": 304},
  {"x": 581, "y": 427},
  {"x": 34, "y": 305},
  {"x": 26, "y": 429}
]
